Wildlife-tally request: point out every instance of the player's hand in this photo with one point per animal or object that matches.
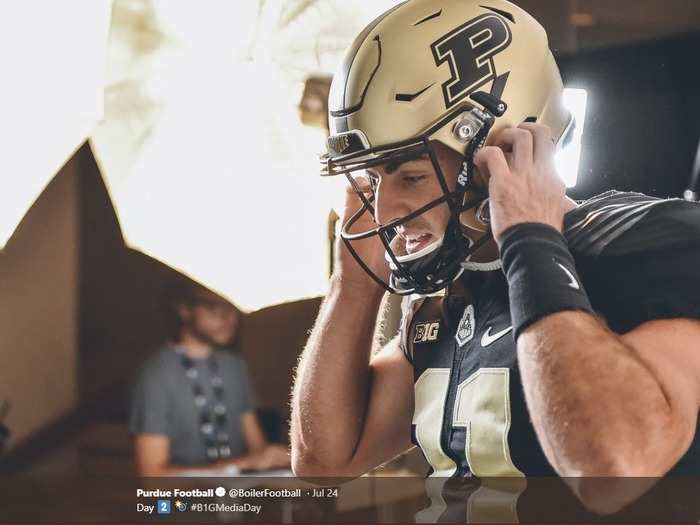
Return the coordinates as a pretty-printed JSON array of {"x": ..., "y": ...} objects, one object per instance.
[
  {"x": 523, "y": 183},
  {"x": 370, "y": 250}
]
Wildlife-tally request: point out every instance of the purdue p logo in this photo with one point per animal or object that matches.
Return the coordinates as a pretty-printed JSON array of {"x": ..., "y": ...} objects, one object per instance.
[
  {"x": 426, "y": 332},
  {"x": 469, "y": 51}
]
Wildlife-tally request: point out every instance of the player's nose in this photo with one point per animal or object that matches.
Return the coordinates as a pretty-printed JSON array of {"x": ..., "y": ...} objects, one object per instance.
[{"x": 389, "y": 203}]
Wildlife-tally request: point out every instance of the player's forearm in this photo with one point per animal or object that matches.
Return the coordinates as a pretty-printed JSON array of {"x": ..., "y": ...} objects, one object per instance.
[
  {"x": 596, "y": 406},
  {"x": 331, "y": 388}
]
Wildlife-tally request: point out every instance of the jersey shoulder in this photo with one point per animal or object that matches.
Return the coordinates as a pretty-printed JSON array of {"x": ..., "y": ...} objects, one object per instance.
[
  {"x": 638, "y": 257},
  {"x": 622, "y": 223}
]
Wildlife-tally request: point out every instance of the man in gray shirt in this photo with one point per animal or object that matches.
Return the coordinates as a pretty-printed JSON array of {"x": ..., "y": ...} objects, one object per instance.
[{"x": 192, "y": 406}]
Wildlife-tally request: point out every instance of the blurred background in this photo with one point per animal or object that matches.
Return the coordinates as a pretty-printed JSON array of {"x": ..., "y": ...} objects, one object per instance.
[{"x": 142, "y": 139}]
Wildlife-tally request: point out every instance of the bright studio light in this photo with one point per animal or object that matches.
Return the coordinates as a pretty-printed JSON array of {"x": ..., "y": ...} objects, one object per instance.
[
  {"x": 221, "y": 182},
  {"x": 567, "y": 159},
  {"x": 53, "y": 73}
]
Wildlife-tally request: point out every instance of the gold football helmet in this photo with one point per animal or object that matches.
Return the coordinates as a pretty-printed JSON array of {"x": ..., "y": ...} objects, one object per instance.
[{"x": 451, "y": 71}]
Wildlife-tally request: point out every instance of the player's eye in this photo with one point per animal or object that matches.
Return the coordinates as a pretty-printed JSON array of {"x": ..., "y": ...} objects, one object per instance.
[{"x": 413, "y": 179}]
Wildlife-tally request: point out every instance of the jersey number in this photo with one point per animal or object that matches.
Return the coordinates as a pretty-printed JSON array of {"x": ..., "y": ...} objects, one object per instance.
[{"x": 482, "y": 407}]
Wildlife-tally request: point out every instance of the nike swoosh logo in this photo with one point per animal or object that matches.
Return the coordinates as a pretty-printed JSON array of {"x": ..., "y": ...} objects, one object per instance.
[
  {"x": 572, "y": 280},
  {"x": 487, "y": 338},
  {"x": 408, "y": 97}
]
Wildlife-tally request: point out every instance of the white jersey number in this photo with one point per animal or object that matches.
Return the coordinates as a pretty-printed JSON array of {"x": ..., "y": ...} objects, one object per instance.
[{"x": 482, "y": 407}]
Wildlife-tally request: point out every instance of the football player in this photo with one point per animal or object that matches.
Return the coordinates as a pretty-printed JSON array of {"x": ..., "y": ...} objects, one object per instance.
[{"x": 539, "y": 336}]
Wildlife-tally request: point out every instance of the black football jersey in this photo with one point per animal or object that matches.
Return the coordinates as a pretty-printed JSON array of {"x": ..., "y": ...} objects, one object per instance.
[{"x": 638, "y": 258}]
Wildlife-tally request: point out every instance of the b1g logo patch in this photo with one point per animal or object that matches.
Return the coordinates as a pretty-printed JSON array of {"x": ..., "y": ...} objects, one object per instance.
[
  {"x": 426, "y": 332},
  {"x": 469, "y": 50}
]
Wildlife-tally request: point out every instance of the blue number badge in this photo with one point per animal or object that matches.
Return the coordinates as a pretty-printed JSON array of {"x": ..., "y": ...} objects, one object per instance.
[{"x": 163, "y": 506}]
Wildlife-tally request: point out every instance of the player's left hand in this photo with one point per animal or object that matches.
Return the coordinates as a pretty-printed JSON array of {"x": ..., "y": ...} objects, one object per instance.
[{"x": 523, "y": 183}]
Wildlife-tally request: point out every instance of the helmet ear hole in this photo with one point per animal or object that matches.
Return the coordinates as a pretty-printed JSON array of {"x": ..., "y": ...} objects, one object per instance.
[
  {"x": 483, "y": 213},
  {"x": 471, "y": 226},
  {"x": 531, "y": 119}
]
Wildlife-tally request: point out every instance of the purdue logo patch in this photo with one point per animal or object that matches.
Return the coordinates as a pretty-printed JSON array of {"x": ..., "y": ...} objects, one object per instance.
[
  {"x": 469, "y": 50},
  {"x": 465, "y": 330},
  {"x": 426, "y": 332}
]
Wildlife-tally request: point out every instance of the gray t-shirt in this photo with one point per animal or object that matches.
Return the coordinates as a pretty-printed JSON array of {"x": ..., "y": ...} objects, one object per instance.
[{"x": 162, "y": 402}]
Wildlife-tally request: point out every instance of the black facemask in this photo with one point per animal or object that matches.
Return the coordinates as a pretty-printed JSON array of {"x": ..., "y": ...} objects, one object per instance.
[{"x": 436, "y": 266}]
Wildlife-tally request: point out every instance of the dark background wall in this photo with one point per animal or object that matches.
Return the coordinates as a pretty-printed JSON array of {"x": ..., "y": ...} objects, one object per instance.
[
  {"x": 643, "y": 116},
  {"x": 38, "y": 310},
  {"x": 119, "y": 321}
]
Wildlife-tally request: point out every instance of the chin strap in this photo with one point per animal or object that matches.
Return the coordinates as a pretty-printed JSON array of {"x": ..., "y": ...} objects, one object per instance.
[
  {"x": 486, "y": 266},
  {"x": 482, "y": 266}
]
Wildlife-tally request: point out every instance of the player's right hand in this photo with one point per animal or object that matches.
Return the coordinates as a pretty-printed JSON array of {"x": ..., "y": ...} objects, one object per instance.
[{"x": 371, "y": 250}]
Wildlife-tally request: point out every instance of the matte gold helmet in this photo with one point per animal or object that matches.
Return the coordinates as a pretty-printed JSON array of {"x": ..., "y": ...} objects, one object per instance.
[{"x": 447, "y": 71}]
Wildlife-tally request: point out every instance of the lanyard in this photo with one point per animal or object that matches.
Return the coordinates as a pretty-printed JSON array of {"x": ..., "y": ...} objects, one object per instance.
[{"x": 212, "y": 427}]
